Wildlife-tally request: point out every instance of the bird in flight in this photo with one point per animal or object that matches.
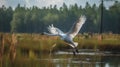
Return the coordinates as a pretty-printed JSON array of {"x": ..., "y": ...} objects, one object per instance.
[{"x": 68, "y": 37}]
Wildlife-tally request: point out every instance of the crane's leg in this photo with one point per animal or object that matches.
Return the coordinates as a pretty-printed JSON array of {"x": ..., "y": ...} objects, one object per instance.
[
  {"x": 76, "y": 50},
  {"x": 74, "y": 53}
]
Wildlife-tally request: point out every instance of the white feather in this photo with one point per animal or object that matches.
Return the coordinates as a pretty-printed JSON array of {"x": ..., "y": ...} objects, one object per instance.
[
  {"x": 68, "y": 37},
  {"x": 76, "y": 27}
]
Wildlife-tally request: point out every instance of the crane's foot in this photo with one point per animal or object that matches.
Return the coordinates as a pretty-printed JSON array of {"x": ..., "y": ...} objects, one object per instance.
[
  {"x": 76, "y": 50},
  {"x": 74, "y": 53}
]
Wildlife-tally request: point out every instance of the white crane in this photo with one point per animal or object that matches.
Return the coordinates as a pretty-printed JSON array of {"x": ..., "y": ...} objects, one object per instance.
[{"x": 68, "y": 37}]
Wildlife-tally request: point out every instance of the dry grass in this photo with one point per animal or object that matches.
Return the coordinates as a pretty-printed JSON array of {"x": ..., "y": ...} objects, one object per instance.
[{"x": 43, "y": 43}]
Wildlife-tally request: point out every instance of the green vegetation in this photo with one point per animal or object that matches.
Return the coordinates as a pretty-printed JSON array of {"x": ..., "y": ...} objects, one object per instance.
[
  {"x": 32, "y": 46},
  {"x": 43, "y": 43},
  {"x": 35, "y": 20},
  {"x": 110, "y": 42}
]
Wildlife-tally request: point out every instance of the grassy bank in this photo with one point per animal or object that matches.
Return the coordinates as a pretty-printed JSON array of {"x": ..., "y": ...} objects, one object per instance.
[
  {"x": 38, "y": 42},
  {"x": 32, "y": 46}
]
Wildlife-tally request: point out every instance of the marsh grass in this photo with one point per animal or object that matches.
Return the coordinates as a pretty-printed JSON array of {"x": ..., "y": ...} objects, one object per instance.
[
  {"x": 110, "y": 42},
  {"x": 37, "y": 43},
  {"x": 33, "y": 45}
]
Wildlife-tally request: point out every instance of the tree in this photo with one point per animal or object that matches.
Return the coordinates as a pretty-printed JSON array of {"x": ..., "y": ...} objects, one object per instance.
[
  {"x": 5, "y": 18},
  {"x": 114, "y": 17},
  {"x": 35, "y": 20},
  {"x": 17, "y": 23}
]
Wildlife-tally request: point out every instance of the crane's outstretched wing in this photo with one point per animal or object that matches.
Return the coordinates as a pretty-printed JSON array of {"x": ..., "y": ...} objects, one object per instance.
[
  {"x": 53, "y": 31},
  {"x": 76, "y": 27}
]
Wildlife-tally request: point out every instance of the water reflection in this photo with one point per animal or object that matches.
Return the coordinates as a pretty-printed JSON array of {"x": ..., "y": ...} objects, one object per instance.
[
  {"x": 60, "y": 60},
  {"x": 66, "y": 59}
]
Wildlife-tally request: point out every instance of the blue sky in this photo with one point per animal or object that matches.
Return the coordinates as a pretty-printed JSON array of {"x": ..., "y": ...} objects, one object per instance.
[{"x": 43, "y": 3}]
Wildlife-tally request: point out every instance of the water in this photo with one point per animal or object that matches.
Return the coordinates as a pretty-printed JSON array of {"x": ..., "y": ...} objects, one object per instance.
[{"x": 85, "y": 58}]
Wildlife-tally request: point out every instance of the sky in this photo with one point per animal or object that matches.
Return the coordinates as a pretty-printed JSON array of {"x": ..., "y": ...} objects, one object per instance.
[{"x": 47, "y": 3}]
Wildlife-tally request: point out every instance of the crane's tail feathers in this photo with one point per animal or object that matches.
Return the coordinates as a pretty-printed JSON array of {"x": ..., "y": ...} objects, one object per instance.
[
  {"x": 72, "y": 45},
  {"x": 75, "y": 45}
]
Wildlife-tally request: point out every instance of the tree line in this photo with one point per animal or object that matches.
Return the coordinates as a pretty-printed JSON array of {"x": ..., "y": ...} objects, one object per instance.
[{"x": 36, "y": 20}]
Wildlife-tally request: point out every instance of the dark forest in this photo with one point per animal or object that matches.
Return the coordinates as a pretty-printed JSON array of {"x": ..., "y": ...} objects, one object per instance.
[{"x": 35, "y": 20}]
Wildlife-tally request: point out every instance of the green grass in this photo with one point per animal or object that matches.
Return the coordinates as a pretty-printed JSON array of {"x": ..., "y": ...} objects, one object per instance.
[
  {"x": 32, "y": 46},
  {"x": 43, "y": 43}
]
